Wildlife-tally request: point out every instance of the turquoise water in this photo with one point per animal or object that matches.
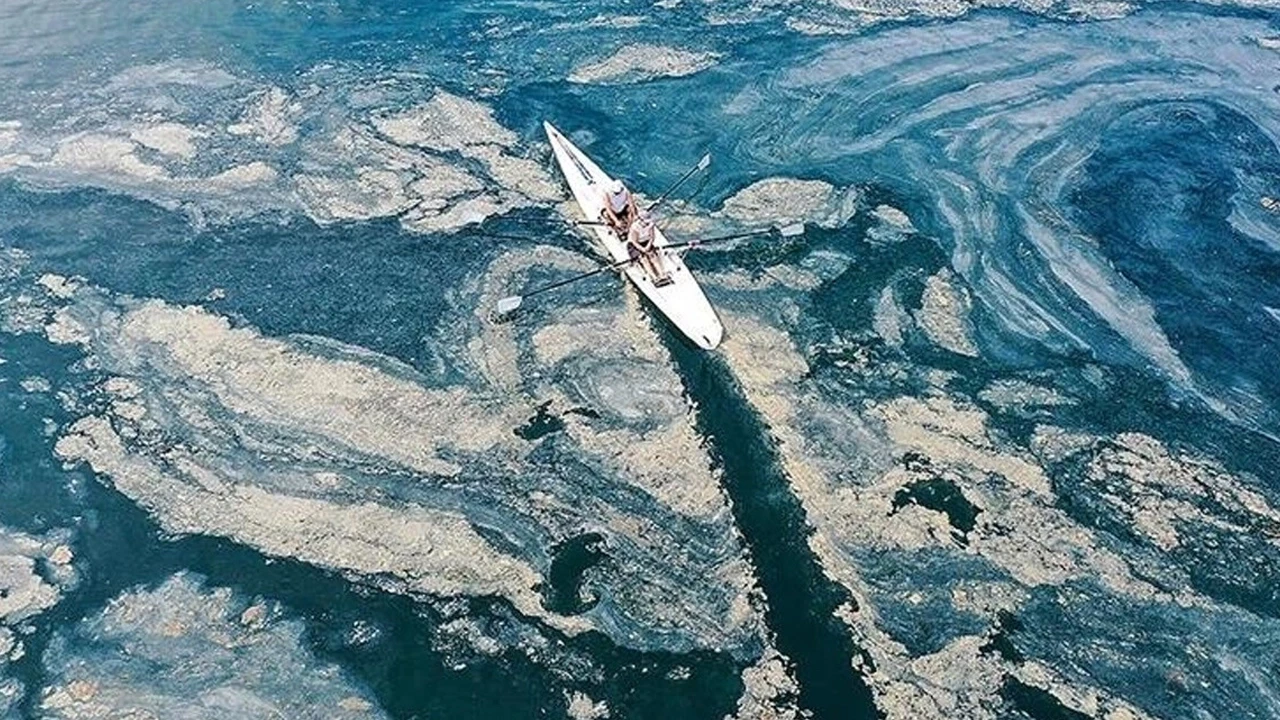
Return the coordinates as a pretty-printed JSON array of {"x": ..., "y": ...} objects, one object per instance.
[{"x": 996, "y": 437}]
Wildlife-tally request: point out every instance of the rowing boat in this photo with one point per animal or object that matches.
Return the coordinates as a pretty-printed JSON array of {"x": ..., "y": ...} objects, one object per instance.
[{"x": 682, "y": 300}]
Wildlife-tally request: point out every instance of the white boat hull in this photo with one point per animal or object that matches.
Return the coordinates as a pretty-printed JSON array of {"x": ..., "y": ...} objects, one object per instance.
[{"x": 682, "y": 301}]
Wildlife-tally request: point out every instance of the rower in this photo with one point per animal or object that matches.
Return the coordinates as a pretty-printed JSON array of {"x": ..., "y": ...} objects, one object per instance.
[
  {"x": 619, "y": 207},
  {"x": 641, "y": 245}
]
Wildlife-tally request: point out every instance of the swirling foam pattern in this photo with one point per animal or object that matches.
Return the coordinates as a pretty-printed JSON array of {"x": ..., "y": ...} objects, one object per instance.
[{"x": 1099, "y": 186}]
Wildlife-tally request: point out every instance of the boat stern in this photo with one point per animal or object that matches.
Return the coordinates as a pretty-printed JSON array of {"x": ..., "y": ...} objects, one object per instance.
[{"x": 710, "y": 336}]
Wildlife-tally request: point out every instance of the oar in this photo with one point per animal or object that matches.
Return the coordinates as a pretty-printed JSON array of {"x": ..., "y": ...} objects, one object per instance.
[
  {"x": 509, "y": 304},
  {"x": 512, "y": 303},
  {"x": 786, "y": 231},
  {"x": 526, "y": 238},
  {"x": 702, "y": 165},
  {"x": 505, "y": 236}
]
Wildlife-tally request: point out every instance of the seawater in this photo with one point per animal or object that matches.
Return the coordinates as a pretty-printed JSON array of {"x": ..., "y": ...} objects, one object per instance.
[{"x": 1088, "y": 214}]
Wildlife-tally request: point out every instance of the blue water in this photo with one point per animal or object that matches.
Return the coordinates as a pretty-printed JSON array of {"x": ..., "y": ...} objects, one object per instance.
[
  {"x": 1103, "y": 192},
  {"x": 1175, "y": 169}
]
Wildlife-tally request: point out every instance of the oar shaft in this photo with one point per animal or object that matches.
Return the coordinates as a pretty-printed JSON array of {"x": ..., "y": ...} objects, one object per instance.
[
  {"x": 722, "y": 238},
  {"x": 510, "y": 304},
  {"x": 576, "y": 278},
  {"x": 505, "y": 236},
  {"x": 702, "y": 164}
]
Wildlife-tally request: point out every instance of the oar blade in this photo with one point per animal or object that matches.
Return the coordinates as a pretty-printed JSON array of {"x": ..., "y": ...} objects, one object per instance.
[
  {"x": 704, "y": 162},
  {"x": 508, "y": 305},
  {"x": 791, "y": 230}
]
